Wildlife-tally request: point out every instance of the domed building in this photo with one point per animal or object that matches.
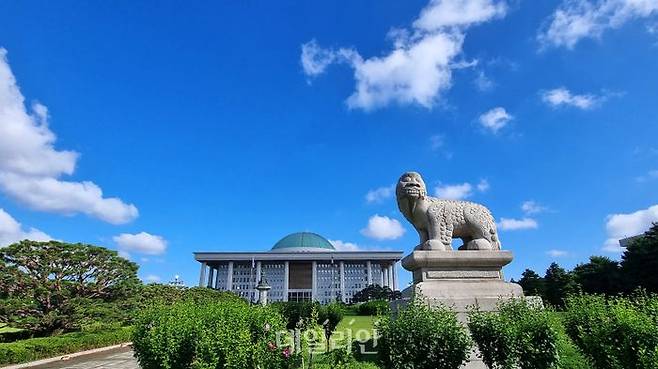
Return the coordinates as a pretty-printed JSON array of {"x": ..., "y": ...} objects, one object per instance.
[{"x": 301, "y": 266}]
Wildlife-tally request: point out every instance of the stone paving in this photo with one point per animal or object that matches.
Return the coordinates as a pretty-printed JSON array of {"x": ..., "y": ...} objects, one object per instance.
[{"x": 116, "y": 359}]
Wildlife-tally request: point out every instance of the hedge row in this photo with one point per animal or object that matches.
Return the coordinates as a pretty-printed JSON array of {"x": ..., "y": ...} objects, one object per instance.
[
  {"x": 617, "y": 332},
  {"x": 45, "y": 347},
  {"x": 374, "y": 307},
  {"x": 221, "y": 334}
]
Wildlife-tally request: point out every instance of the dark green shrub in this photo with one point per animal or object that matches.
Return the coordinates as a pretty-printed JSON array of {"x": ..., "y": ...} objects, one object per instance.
[
  {"x": 217, "y": 334},
  {"x": 328, "y": 317},
  {"x": 375, "y": 307},
  {"x": 518, "y": 335},
  {"x": 619, "y": 332},
  {"x": 45, "y": 347},
  {"x": 293, "y": 312},
  {"x": 422, "y": 337}
]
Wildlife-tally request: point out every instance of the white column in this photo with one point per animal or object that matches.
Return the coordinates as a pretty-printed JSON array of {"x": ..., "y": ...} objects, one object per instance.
[
  {"x": 217, "y": 286},
  {"x": 390, "y": 279},
  {"x": 211, "y": 276},
  {"x": 286, "y": 277},
  {"x": 314, "y": 281},
  {"x": 369, "y": 266},
  {"x": 258, "y": 266},
  {"x": 229, "y": 277},
  {"x": 342, "y": 281},
  {"x": 202, "y": 274},
  {"x": 394, "y": 270},
  {"x": 385, "y": 276}
]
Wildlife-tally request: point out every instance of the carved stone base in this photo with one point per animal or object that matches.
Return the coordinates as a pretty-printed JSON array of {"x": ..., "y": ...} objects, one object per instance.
[{"x": 459, "y": 280}]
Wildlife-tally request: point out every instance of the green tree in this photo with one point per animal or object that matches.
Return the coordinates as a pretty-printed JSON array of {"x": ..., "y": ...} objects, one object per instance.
[
  {"x": 599, "y": 275},
  {"x": 48, "y": 285},
  {"x": 532, "y": 283},
  {"x": 558, "y": 284},
  {"x": 376, "y": 292},
  {"x": 639, "y": 263}
]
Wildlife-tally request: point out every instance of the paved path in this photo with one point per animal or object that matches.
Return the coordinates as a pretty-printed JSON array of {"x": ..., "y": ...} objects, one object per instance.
[{"x": 116, "y": 359}]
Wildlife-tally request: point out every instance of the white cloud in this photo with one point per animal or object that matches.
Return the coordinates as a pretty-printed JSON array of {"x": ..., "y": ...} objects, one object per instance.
[
  {"x": 458, "y": 13},
  {"x": 575, "y": 20},
  {"x": 622, "y": 225},
  {"x": 483, "y": 185},
  {"x": 315, "y": 59},
  {"x": 563, "y": 97},
  {"x": 143, "y": 243},
  {"x": 345, "y": 246},
  {"x": 454, "y": 192},
  {"x": 31, "y": 167},
  {"x": 383, "y": 228},
  {"x": 420, "y": 65},
  {"x": 437, "y": 142},
  {"x": 11, "y": 231},
  {"x": 483, "y": 83},
  {"x": 532, "y": 207},
  {"x": 557, "y": 253},
  {"x": 380, "y": 194},
  {"x": 495, "y": 119},
  {"x": 508, "y": 224},
  {"x": 652, "y": 174},
  {"x": 460, "y": 191}
]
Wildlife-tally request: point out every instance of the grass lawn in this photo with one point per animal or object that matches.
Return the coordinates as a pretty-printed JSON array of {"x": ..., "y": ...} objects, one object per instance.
[{"x": 5, "y": 329}]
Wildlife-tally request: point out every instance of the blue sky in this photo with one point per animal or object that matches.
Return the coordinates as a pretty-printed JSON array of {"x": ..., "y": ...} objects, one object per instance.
[{"x": 162, "y": 128}]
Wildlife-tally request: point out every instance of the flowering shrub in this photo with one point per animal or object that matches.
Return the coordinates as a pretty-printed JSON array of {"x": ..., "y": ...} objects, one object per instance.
[
  {"x": 615, "y": 332},
  {"x": 423, "y": 337},
  {"x": 518, "y": 335},
  {"x": 213, "y": 335}
]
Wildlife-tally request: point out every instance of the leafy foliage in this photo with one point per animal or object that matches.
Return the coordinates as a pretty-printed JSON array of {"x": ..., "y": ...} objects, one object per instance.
[
  {"x": 376, "y": 292},
  {"x": 615, "y": 332},
  {"x": 599, "y": 275},
  {"x": 532, "y": 283},
  {"x": 228, "y": 333},
  {"x": 44, "y": 283},
  {"x": 519, "y": 335},
  {"x": 639, "y": 262},
  {"x": 423, "y": 337},
  {"x": 558, "y": 284},
  {"x": 374, "y": 307},
  {"x": 329, "y": 316}
]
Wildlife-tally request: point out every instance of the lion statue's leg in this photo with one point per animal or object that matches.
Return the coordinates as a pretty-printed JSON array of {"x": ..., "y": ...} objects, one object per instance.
[
  {"x": 479, "y": 244},
  {"x": 439, "y": 239}
]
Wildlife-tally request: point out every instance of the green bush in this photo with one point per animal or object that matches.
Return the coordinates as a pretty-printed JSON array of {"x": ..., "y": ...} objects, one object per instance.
[
  {"x": 294, "y": 312},
  {"x": 211, "y": 335},
  {"x": 423, "y": 337},
  {"x": 618, "y": 332},
  {"x": 518, "y": 335},
  {"x": 375, "y": 307},
  {"x": 41, "y": 348}
]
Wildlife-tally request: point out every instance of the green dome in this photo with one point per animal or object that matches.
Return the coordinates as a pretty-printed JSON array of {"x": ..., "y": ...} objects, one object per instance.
[{"x": 303, "y": 241}]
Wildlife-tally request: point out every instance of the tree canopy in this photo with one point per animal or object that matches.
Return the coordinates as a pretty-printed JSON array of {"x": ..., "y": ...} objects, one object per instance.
[
  {"x": 43, "y": 283},
  {"x": 639, "y": 263}
]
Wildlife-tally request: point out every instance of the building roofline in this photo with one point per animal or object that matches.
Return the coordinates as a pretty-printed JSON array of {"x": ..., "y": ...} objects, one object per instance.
[{"x": 316, "y": 255}]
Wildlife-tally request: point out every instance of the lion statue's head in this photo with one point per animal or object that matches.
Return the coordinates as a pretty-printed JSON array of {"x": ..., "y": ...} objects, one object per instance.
[{"x": 409, "y": 190}]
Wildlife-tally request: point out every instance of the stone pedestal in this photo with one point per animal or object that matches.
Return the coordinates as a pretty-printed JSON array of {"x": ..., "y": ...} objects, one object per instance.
[{"x": 460, "y": 279}]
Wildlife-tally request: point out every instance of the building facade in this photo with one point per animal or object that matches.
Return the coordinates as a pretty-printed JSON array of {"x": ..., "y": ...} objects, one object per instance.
[{"x": 300, "y": 267}]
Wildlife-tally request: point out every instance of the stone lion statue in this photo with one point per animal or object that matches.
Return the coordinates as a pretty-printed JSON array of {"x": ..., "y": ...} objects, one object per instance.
[{"x": 439, "y": 221}]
